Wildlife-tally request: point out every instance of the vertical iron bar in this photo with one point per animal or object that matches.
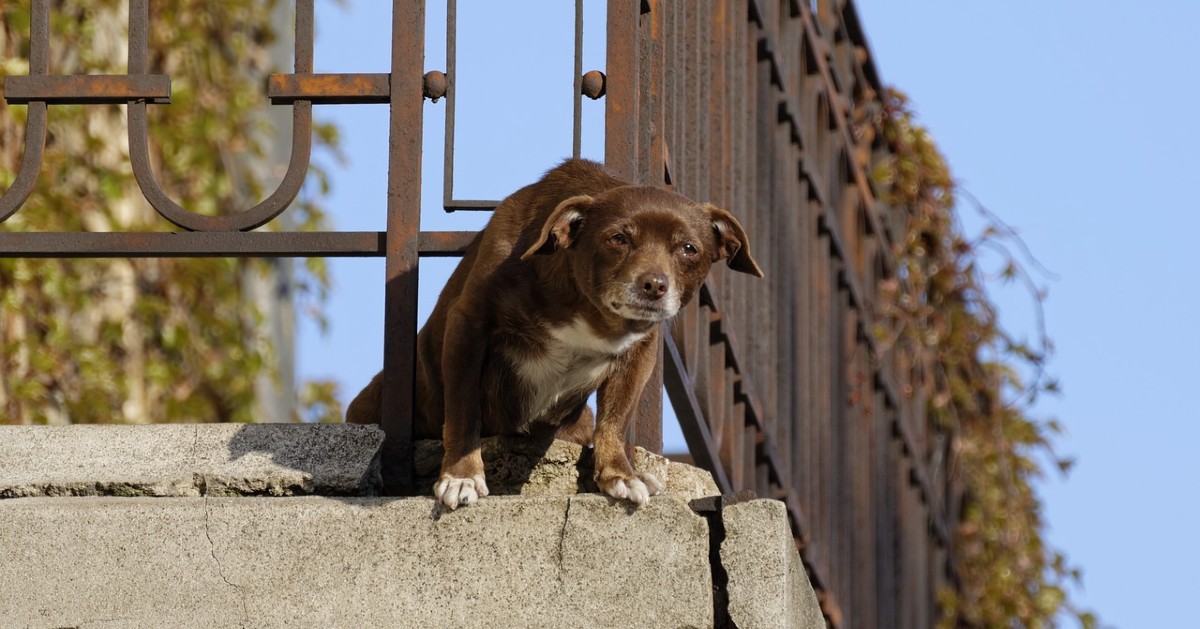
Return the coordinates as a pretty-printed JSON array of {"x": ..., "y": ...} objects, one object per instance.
[
  {"x": 451, "y": 80},
  {"x": 759, "y": 348},
  {"x": 577, "y": 95},
  {"x": 685, "y": 110},
  {"x": 621, "y": 90},
  {"x": 672, "y": 92},
  {"x": 39, "y": 37},
  {"x": 622, "y": 146},
  {"x": 650, "y": 112},
  {"x": 304, "y": 37},
  {"x": 704, "y": 47},
  {"x": 403, "y": 226},
  {"x": 647, "y": 424},
  {"x": 139, "y": 29}
]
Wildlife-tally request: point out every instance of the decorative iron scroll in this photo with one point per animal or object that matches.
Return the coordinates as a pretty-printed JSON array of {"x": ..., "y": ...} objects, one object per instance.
[
  {"x": 404, "y": 88},
  {"x": 40, "y": 89}
]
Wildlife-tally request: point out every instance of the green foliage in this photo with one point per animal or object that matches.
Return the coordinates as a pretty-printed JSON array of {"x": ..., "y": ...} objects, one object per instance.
[
  {"x": 321, "y": 402},
  {"x": 143, "y": 340},
  {"x": 983, "y": 384}
]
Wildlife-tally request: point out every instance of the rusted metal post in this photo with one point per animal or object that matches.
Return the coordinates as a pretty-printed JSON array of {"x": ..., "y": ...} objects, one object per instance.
[
  {"x": 623, "y": 141},
  {"x": 621, "y": 100},
  {"x": 403, "y": 236}
]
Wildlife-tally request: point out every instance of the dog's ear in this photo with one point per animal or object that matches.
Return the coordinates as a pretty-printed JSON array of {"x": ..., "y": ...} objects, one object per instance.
[
  {"x": 561, "y": 227},
  {"x": 732, "y": 243}
]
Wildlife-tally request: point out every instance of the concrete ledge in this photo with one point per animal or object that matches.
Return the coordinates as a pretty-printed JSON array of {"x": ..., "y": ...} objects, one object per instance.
[
  {"x": 768, "y": 586},
  {"x": 189, "y": 460},
  {"x": 569, "y": 561}
]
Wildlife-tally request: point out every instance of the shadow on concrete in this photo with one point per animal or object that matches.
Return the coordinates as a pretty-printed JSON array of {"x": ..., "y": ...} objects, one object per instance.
[
  {"x": 292, "y": 459},
  {"x": 514, "y": 465}
]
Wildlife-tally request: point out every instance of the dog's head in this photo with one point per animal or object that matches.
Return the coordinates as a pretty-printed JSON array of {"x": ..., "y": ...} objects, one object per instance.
[{"x": 641, "y": 252}]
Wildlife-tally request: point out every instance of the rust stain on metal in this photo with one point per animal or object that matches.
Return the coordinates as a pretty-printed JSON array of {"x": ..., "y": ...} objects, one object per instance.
[
  {"x": 88, "y": 89},
  {"x": 328, "y": 89},
  {"x": 405, "y": 127}
]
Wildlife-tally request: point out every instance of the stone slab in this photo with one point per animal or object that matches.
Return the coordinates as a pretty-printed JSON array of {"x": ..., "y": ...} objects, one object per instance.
[
  {"x": 189, "y": 460},
  {"x": 516, "y": 466},
  {"x": 568, "y": 561},
  {"x": 768, "y": 586}
]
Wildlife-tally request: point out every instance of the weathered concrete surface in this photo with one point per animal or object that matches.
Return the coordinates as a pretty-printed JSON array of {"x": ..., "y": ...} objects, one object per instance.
[
  {"x": 524, "y": 467},
  {"x": 189, "y": 460},
  {"x": 570, "y": 561},
  {"x": 767, "y": 586}
]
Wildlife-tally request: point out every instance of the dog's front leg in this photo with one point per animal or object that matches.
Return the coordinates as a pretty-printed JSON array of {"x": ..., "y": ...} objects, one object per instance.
[
  {"x": 619, "y": 394},
  {"x": 461, "y": 481}
]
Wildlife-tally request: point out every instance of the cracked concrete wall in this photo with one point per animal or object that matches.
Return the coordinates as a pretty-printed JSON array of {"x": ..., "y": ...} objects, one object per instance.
[
  {"x": 71, "y": 556},
  {"x": 88, "y": 562},
  {"x": 320, "y": 562},
  {"x": 768, "y": 586}
]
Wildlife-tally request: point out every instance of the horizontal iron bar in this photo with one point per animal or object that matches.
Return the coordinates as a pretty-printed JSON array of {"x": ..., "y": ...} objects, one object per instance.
[
  {"x": 454, "y": 205},
  {"x": 219, "y": 244},
  {"x": 88, "y": 89},
  {"x": 328, "y": 89}
]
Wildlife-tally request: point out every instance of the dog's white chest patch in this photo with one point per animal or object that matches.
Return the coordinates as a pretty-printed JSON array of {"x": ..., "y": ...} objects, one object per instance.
[{"x": 576, "y": 359}]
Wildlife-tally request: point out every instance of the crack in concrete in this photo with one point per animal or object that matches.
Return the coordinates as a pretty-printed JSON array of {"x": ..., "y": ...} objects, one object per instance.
[
  {"x": 711, "y": 511},
  {"x": 195, "y": 444},
  {"x": 198, "y": 480},
  {"x": 562, "y": 538},
  {"x": 212, "y": 549},
  {"x": 98, "y": 621}
]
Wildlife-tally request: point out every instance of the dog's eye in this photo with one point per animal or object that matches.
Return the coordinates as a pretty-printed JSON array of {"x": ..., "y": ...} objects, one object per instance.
[
  {"x": 619, "y": 239},
  {"x": 689, "y": 249}
]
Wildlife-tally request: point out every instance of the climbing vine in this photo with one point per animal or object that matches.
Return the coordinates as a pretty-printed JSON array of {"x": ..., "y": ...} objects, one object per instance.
[
  {"x": 146, "y": 339},
  {"x": 984, "y": 383}
]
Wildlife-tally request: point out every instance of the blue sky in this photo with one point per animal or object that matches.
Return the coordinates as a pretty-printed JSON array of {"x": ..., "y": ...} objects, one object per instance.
[{"x": 1070, "y": 120}]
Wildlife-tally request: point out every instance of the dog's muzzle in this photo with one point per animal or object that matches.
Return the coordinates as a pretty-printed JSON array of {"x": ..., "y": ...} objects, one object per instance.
[{"x": 650, "y": 298}]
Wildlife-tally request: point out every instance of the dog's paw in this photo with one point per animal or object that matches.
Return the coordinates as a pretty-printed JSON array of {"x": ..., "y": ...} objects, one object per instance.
[
  {"x": 636, "y": 490},
  {"x": 452, "y": 491},
  {"x": 654, "y": 485}
]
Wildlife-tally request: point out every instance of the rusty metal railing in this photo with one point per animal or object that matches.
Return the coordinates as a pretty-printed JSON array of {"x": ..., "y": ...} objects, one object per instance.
[
  {"x": 759, "y": 107},
  {"x": 765, "y": 108},
  {"x": 231, "y": 234}
]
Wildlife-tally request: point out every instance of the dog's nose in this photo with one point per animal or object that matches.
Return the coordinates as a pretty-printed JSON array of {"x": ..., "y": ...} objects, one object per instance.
[{"x": 653, "y": 284}]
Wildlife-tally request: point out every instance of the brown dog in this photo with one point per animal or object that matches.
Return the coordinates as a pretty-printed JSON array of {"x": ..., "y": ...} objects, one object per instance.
[{"x": 560, "y": 295}]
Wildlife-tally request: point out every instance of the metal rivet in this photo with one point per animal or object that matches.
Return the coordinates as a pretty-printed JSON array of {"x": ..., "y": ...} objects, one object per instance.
[
  {"x": 434, "y": 86},
  {"x": 593, "y": 84}
]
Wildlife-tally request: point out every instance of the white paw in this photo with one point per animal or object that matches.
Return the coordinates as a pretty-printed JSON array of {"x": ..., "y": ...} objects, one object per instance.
[
  {"x": 631, "y": 489},
  {"x": 654, "y": 485},
  {"x": 452, "y": 491}
]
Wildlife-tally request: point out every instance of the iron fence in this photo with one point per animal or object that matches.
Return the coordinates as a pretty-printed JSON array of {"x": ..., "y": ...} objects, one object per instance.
[
  {"x": 761, "y": 107},
  {"x": 767, "y": 109}
]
